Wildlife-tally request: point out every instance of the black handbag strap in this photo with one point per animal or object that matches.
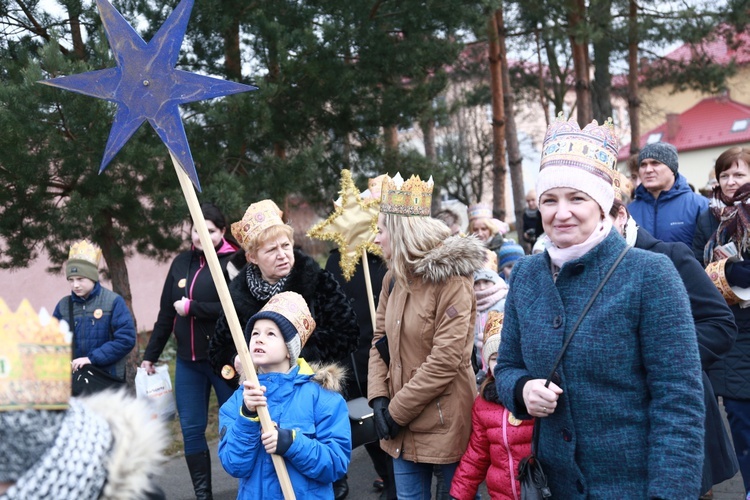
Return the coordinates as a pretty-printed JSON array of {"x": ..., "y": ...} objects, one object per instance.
[
  {"x": 535, "y": 436},
  {"x": 583, "y": 313},
  {"x": 356, "y": 376}
]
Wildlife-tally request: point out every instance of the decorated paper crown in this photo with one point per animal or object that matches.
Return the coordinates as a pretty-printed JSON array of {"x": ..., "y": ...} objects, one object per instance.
[
  {"x": 579, "y": 159},
  {"x": 375, "y": 186},
  {"x": 593, "y": 149},
  {"x": 258, "y": 216},
  {"x": 35, "y": 360},
  {"x": 294, "y": 309},
  {"x": 623, "y": 187},
  {"x": 85, "y": 251},
  {"x": 492, "y": 330},
  {"x": 480, "y": 211},
  {"x": 411, "y": 198}
]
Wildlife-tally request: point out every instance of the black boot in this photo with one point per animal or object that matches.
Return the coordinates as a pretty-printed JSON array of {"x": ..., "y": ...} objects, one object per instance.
[
  {"x": 340, "y": 488},
  {"x": 199, "y": 465}
]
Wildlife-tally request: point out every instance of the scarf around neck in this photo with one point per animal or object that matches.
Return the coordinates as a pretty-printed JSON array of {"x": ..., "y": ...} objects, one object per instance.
[
  {"x": 560, "y": 256},
  {"x": 260, "y": 288},
  {"x": 733, "y": 215},
  {"x": 490, "y": 296}
]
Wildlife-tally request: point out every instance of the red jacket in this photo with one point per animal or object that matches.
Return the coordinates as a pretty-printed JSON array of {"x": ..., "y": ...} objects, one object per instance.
[{"x": 498, "y": 442}]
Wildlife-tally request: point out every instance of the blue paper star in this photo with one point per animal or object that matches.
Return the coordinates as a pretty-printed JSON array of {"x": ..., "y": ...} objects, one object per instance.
[{"x": 145, "y": 84}]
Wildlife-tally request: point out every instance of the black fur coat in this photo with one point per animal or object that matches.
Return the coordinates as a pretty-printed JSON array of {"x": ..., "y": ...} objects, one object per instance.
[{"x": 336, "y": 333}]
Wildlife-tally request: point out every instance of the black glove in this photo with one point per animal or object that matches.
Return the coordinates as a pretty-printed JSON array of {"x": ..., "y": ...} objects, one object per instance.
[
  {"x": 379, "y": 410},
  {"x": 738, "y": 273},
  {"x": 393, "y": 427}
]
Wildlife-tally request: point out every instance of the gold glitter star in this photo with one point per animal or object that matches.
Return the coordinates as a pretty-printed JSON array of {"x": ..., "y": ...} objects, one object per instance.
[{"x": 352, "y": 225}]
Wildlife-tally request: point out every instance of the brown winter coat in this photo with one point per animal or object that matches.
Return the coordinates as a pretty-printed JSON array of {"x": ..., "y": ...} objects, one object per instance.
[{"x": 430, "y": 381}]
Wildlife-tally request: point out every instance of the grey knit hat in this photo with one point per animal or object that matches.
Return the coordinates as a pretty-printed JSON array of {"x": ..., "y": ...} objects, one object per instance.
[{"x": 662, "y": 152}]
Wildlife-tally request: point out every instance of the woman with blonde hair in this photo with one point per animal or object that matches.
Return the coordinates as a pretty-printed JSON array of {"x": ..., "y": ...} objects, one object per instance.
[
  {"x": 274, "y": 266},
  {"x": 421, "y": 383}
]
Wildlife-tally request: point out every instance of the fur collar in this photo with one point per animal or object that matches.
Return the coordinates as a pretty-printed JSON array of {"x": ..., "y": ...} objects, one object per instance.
[
  {"x": 329, "y": 376},
  {"x": 139, "y": 441},
  {"x": 456, "y": 256}
]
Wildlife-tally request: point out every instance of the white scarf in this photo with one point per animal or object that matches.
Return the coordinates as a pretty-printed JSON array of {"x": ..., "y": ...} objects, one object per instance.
[{"x": 560, "y": 256}]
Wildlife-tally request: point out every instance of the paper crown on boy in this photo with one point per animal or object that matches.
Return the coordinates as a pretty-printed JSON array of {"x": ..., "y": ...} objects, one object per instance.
[
  {"x": 258, "y": 216},
  {"x": 412, "y": 197},
  {"x": 492, "y": 335},
  {"x": 83, "y": 260},
  {"x": 582, "y": 159},
  {"x": 290, "y": 313}
]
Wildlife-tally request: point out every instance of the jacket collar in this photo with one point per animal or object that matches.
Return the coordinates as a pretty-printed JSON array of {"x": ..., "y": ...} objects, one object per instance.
[
  {"x": 456, "y": 256},
  {"x": 96, "y": 291}
]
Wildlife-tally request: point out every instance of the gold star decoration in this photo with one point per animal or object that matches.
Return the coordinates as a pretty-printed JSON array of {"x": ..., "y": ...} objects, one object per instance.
[{"x": 352, "y": 225}]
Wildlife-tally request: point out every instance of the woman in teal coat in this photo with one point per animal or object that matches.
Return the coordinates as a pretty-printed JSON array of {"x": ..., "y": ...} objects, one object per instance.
[{"x": 623, "y": 415}]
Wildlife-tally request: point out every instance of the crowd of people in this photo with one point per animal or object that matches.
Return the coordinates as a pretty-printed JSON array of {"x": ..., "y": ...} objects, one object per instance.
[{"x": 598, "y": 335}]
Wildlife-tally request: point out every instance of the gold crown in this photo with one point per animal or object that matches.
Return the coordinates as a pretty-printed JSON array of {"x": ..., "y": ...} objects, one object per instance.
[
  {"x": 593, "y": 149},
  {"x": 86, "y": 251},
  {"x": 623, "y": 186},
  {"x": 293, "y": 307},
  {"x": 413, "y": 197},
  {"x": 258, "y": 216},
  {"x": 494, "y": 324},
  {"x": 480, "y": 211},
  {"x": 35, "y": 360},
  {"x": 375, "y": 186}
]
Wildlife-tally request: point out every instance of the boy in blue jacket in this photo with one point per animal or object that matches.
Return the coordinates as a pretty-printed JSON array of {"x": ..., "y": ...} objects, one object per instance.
[
  {"x": 312, "y": 421},
  {"x": 102, "y": 326}
]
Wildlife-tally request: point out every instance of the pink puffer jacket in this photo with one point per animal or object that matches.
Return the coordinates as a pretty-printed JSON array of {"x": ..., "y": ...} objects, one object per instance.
[{"x": 498, "y": 442}]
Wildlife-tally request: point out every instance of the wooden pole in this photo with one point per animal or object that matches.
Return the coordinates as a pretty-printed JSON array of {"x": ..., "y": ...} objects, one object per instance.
[
  {"x": 234, "y": 323},
  {"x": 368, "y": 285}
]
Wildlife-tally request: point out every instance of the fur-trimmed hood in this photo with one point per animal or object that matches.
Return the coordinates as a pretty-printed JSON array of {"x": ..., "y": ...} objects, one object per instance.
[
  {"x": 139, "y": 440},
  {"x": 330, "y": 376},
  {"x": 456, "y": 256}
]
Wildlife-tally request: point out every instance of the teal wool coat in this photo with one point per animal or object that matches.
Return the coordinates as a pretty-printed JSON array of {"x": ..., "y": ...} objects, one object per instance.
[{"x": 629, "y": 423}]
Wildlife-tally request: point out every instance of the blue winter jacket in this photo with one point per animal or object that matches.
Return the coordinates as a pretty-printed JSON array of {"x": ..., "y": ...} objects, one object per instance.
[
  {"x": 629, "y": 423},
  {"x": 322, "y": 446},
  {"x": 673, "y": 215},
  {"x": 104, "y": 330}
]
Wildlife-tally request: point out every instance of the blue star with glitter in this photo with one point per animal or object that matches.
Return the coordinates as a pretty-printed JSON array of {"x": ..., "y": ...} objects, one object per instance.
[{"x": 145, "y": 84}]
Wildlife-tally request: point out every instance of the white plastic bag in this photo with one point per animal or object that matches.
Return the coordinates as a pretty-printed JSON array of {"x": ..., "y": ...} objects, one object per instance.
[{"x": 157, "y": 388}]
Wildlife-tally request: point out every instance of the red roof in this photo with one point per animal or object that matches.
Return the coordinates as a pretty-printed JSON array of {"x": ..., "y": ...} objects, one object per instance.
[
  {"x": 717, "y": 48},
  {"x": 707, "y": 124}
]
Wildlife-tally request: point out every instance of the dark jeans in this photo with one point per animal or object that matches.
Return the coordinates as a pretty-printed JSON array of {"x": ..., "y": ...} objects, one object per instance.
[
  {"x": 192, "y": 387},
  {"x": 738, "y": 416}
]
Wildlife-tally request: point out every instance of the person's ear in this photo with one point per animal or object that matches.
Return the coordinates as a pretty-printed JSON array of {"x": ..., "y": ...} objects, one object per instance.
[{"x": 250, "y": 258}]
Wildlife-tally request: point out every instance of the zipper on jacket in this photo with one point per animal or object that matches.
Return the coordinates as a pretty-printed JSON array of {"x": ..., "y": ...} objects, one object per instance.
[
  {"x": 202, "y": 263},
  {"x": 440, "y": 413}
]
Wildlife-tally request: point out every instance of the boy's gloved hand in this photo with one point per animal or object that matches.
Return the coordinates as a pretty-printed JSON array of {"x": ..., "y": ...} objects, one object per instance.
[
  {"x": 738, "y": 273},
  {"x": 379, "y": 410}
]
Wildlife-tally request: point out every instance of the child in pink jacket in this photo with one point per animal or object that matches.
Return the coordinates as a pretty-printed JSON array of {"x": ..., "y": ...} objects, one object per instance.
[{"x": 498, "y": 440}]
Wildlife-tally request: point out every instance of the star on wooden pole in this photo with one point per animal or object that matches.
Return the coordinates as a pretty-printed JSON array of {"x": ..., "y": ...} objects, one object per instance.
[
  {"x": 146, "y": 87},
  {"x": 145, "y": 84}
]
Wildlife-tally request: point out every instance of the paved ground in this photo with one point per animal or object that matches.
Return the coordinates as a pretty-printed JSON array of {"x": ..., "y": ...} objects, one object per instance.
[{"x": 175, "y": 481}]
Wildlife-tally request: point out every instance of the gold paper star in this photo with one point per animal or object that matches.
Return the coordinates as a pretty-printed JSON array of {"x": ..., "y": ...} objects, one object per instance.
[{"x": 352, "y": 225}]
